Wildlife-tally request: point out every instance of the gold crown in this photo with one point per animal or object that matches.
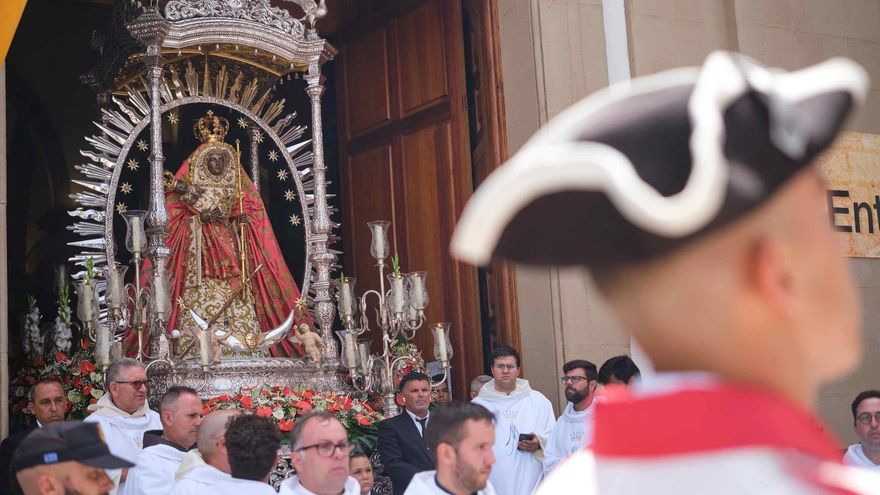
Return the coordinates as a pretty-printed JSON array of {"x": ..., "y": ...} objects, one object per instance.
[{"x": 211, "y": 128}]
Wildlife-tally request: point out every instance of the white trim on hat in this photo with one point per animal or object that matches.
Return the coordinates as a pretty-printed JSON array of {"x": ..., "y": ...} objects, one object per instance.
[{"x": 530, "y": 174}]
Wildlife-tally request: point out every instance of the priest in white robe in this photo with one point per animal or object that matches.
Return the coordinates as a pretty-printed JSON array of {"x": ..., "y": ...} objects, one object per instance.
[
  {"x": 574, "y": 428},
  {"x": 124, "y": 414},
  {"x": 202, "y": 469},
  {"x": 181, "y": 413},
  {"x": 524, "y": 420}
]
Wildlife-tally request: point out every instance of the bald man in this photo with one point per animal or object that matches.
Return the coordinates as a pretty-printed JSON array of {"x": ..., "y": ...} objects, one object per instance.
[
  {"x": 181, "y": 412},
  {"x": 63, "y": 458},
  {"x": 208, "y": 465}
]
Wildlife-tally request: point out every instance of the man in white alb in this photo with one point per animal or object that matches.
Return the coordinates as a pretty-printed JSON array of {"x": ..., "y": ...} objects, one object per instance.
[
  {"x": 524, "y": 419},
  {"x": 574, "y": 428},
  {"x": 124, "y": 414},
  {"x": 181, "y": 413},
  {"x": 319, "y": 453}
]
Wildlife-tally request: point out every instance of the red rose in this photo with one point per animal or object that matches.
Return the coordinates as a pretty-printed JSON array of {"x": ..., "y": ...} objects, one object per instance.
[
  {"x": 77, "y": 382},
  {"x": 347, "y": 403},
  {"x": 308, "y": 394},
  {"x": 61, "y": 357},
  {"x": 84, "y": 344},
  {"x": 223, "y": 398},
  {"x": 247, "y": 401},
  {"x": 304, "y": 405},
  {"x": 334, "y": 406},
  {"x": 87, "y": 390},
  {"x": 287, "y": 391},
  {"x": 363, "y": 420},
  {"x": 264, "y": 411},
  {"x": 86, "y": 367},
  {"x": 285, "y": 425}
]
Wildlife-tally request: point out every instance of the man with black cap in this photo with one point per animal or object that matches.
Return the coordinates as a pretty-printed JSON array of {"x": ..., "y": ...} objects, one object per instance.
[
  {"x": 66, "y": 457},
  {"x": 689, "y": 196}
]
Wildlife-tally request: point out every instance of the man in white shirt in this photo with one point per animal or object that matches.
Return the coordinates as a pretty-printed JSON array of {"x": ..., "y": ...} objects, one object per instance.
[
  {"x": 524, "y": 419},
  {"x": 477, "y": 384},
  {"x": 460, "y": 438},
  {"x": 252, "y": 444},
  {"x": 181, "y": 413},
  {"x": 201, "y": 469},
  {"x": 319, "y": 454},
  {"x": 123, "y": 413},
  {"x": 574, "y": 428},
  {"x": 866, "y": 422}
]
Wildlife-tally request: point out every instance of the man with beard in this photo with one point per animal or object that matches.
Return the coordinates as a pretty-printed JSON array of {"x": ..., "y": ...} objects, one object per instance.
[
  {"x": 460, "y": 438},
  {"x": 124, "y": 414},
  {"x": 48, "y": 403},
  {"x": 181, "y": 412},
  {"x": 866, "y": 421},
  {"x": 401, "y": 438},
  {"x": 575, "y": 427},
  {"x": 65, "y": 458}
]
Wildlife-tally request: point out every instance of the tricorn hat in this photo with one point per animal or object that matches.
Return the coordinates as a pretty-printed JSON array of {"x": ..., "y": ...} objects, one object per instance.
[{"x": 642, "y": 167}]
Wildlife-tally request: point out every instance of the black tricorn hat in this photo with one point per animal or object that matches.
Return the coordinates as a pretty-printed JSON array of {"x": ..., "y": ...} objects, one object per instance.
[
  {"x": 66, "y": 441},
  {"x": 640, "y": 168}
]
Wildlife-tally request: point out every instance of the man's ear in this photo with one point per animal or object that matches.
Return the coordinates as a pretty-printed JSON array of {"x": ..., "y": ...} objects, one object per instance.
[
  {"x": 49, "y": 485},
  {"x": 30, "y": 406},
  {"x": 770, "y": 273},
  {"x": 167, "y": 417},
  {"x": 444, "y": 453}
]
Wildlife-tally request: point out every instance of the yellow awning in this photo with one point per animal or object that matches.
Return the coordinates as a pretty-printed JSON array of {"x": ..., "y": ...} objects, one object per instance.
[{"x": 10, "y": 14}]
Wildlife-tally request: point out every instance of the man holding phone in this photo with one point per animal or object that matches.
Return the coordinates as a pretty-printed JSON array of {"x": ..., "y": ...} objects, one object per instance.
[{"x": 524, "y": 419}]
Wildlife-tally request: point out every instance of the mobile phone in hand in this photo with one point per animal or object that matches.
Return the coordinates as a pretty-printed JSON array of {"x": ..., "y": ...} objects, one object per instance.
[{"x": 523, "y": 437}]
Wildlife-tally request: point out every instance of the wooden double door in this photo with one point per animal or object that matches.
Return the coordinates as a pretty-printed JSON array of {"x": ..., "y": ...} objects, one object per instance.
[{"x": 419, "y": 124}]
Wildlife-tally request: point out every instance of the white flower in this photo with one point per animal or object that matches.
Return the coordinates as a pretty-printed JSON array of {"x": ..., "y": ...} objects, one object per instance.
[
  {"x": 62, "y": 335},
  {"x": 34, "y": 340}
]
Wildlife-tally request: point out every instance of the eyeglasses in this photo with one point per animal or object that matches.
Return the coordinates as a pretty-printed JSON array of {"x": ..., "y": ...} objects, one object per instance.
[
  {"x": 327, "y": 449},
  {"x": 865, "y": 418},
  {"x": 572, "y": 379},
  {"x": 136, "y": 384},
  {"x": 506, "y": 366}
]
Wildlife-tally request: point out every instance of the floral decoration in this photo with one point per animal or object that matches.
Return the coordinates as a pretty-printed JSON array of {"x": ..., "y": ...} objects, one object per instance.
[{"x": 285, "y": 405}]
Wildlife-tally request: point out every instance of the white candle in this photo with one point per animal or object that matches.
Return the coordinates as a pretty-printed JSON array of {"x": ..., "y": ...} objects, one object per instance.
[
  {"x": 441, "y": 343},
  {"x": 350, "y": 352},
  {"x": 364, "y": 350},
  {"x": 117, "y": 350},
  {"x": 160, "y": 295},
  {"x": 417, "y": 292},
  {"x": 86, "y": 302},
  {"x": 345, "y": 306},
  {"x": 103, "y": 346},
  {"x": 397, "y": 295},
  {"x": 114, "y": 288},
  {"x": 379, "y": 242},
  {"x": 205, "y": 348},
  {"x": 135, "y": 234}
]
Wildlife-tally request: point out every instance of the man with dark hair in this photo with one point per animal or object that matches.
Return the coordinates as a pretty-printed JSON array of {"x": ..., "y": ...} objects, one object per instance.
[
  {"x": 202, "y": 470},
  {"x": 441, "y": 390},
  {"x": 181, "y": 413},
  {"x": 574, "y": 428},
  {"x": 252, "y": 444},
  {"x": 619, "y": 370},
  {"x": 401, "y": 438},
  {"x": 866, "y": 422},
  {"x": 460, "y": 439},
  {"x": 691, "y": 197},
  {"x": 319, "y": 454},
  {"x": 65, "y": 458},
  {"x": 48, "y": 403},
  {"x": 123, "y": 412},
  {"x": 524, "y": 421}
]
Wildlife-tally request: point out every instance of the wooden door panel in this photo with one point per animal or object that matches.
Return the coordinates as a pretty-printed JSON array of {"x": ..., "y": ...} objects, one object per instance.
[
  {"x": 366, "y": 82},
  {"x": 425, "y": 163},
  {"x": 421, "y": 45},
  {"x": 368, "y": 193}
]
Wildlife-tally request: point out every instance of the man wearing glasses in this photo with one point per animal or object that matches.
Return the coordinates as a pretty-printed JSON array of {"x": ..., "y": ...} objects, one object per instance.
[
  {"x": 123, "y": 413},
  {"x": 866, "y": 420},
  {"x": 319, "y": 453},
  {"x": 575, "y": 427},
  {"x": 524, "y": 421}
]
